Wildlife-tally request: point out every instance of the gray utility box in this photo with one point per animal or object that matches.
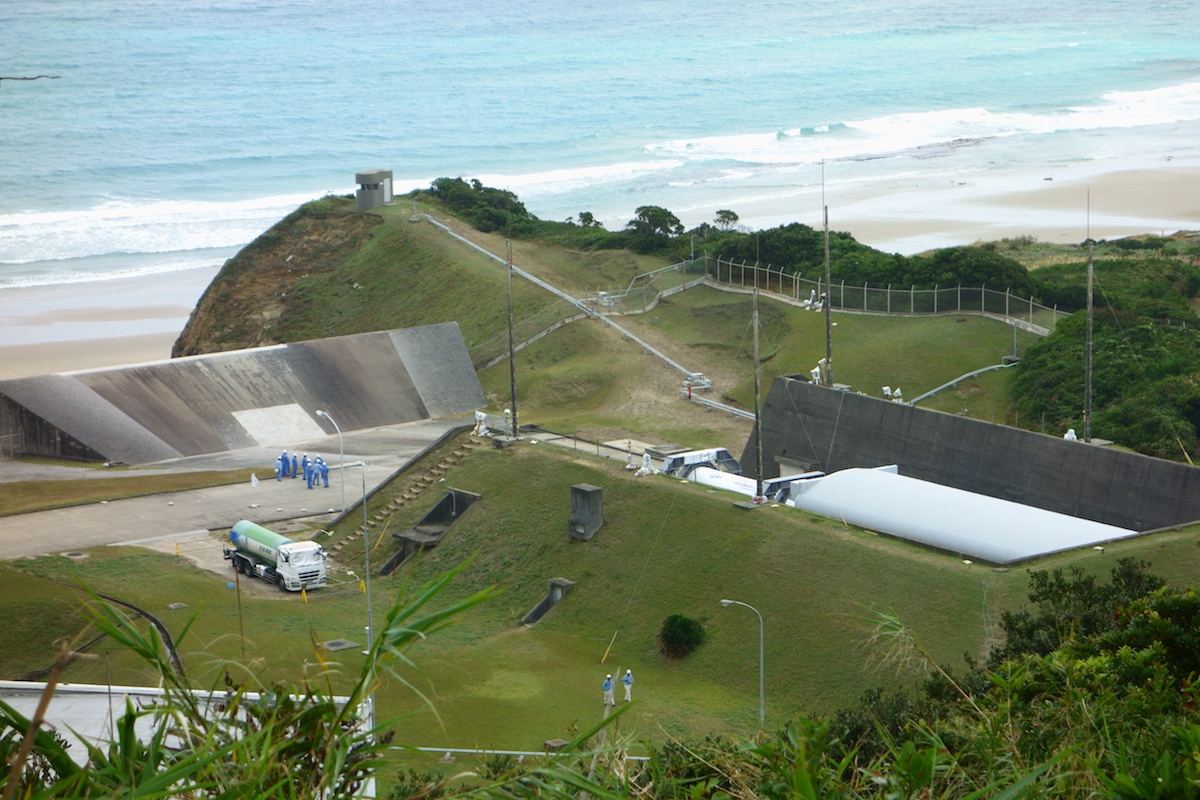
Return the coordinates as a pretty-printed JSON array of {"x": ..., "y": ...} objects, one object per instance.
[
  {"x": 374, "y": 189},
  {"x": 587, "y": 511}
]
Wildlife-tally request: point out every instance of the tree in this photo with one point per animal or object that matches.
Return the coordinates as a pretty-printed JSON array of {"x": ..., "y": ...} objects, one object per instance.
[
  {"x": 586, "y": 220},
  {"x": 725, "y": 219},
  {"x": 654, "y": 222}
]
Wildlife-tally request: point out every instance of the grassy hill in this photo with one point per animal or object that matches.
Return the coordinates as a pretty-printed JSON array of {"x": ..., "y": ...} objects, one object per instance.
[{"x": 666, "y": 547}]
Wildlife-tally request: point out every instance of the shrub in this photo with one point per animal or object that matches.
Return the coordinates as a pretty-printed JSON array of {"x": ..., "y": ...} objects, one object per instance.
[{"x": 680, "y": 635}]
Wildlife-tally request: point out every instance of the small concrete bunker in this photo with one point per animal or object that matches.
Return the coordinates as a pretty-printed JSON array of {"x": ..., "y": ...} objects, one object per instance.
[
  {"x": 559, "y": 588},
  {"x": 374, "y": 189},
  {"x": 587, "y": 511},
  {"x": 431, "y": 529}
]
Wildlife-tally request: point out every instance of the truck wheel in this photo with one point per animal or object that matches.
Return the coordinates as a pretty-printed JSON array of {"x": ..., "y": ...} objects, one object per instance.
[
  {"x": 241, "y": 566},
  {"x": 282, "y": 586}
]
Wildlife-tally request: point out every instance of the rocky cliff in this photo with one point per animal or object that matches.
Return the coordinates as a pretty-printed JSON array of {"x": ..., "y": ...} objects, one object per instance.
[{"x": 247, "y": 298}]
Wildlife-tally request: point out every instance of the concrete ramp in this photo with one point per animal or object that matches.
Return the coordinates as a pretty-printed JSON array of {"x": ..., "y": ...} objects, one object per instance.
[{"x": 246, "y": 398}]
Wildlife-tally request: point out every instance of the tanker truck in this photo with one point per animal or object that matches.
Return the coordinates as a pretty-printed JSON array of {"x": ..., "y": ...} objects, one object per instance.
[{"x": 277, "y": 559}]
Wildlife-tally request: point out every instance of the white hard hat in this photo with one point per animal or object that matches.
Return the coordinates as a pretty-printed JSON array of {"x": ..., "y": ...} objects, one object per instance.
[
  {"x": 628, "y": 672},
  {"x": 610, "y": 674}
]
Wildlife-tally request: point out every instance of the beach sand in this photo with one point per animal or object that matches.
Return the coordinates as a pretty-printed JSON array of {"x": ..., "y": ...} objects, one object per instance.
[
  {"x": 947, "y": 209},
  {"x": 75, "y": 326},
  {"x": 24, "y": 360},
  {"x": 134, "y": 320}
]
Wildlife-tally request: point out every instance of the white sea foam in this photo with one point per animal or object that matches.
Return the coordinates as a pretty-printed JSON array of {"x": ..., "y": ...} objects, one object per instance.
[
  {"x": 122, "y": 226},
  {"x": 114, "y": 266},
  {"x": 898, "y": 133}
]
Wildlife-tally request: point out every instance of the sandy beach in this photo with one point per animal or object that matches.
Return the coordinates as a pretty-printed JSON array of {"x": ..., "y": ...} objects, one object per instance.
[
  {"x": 946, "y": 209},
  {"x": 75, "y": 326},
  {"x": 134, "y": 320}
]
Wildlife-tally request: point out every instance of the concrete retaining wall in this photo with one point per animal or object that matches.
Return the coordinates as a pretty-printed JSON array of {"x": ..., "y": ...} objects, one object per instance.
[
  {"x": 248, "y": 398},
  {"x": 813, "y": 427}
]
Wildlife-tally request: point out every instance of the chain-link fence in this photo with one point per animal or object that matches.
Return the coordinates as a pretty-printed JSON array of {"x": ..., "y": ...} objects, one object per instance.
[{"x": 867, "y": 299}]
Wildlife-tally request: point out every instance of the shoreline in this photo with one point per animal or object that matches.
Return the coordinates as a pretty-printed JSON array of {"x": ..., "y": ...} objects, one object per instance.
[
  {"x": 947, "y": 208},
  {"x": 47, "y": 358},
  {"x": 81, "y": 326}
]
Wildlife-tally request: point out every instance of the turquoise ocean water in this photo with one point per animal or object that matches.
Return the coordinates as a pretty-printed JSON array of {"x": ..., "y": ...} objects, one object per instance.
[{"x": 178, "y": 131}]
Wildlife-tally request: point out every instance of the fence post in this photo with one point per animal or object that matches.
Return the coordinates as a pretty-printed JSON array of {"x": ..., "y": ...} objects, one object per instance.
[
  {"x": 935, "y": 294},
  {"x": 912, "y": 299},
  {"x": 983, "y": 298},
  {"x": 1030, "y": 309},
  {"x": 865, "y": 285},
  {"x": 841, "y": 295},
  {"x": 1006, "y": 290},
  {"x": 889, "y": 298}
]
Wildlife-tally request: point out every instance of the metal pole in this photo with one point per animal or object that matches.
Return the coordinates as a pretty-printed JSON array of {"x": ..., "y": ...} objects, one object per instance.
[
  {"x": 370, "y": 628},
  {"x": 758, "y": 486},
  {"x": 341, "y": 456},
  {"x": 512, "y": 360},
  {"x": 761, "y": 659},
  {"x": 828, "y": 371}
]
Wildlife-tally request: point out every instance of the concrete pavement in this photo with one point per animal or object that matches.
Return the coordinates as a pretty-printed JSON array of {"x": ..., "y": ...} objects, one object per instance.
[{"x": 385, "y": 450}]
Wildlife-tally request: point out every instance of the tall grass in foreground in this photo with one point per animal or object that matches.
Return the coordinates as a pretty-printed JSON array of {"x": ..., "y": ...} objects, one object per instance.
[{"x": 1063, "y": 725}]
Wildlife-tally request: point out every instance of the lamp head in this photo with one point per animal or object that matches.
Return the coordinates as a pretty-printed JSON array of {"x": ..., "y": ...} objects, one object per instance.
[
  {"x": 321, "y": 413},
  {"x": 727, "y": 603}
]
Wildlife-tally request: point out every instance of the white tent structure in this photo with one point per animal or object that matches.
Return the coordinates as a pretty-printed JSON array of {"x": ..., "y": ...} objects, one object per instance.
[
  {"x": 776, "y": 489},
  {"x": 973, "y": 525}
]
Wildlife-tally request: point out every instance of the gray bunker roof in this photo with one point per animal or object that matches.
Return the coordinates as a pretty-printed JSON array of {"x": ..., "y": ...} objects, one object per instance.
[{"x": 974, "y": 525}]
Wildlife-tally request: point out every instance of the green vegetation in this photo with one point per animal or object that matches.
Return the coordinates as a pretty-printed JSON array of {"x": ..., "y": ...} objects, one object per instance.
[
  {"x": 1157, "y": 289},
  {"x": 1145, "y": 390},
  {"x": 680, "y": 635},
  {"x": 1104, "y": 713},
  {"x": 1087, "y": 691},
  {"x": 20, "y": 497}
]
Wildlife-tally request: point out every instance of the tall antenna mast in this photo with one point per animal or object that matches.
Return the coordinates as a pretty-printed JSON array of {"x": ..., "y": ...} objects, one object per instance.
[
  {"x": 1087, "y": 349},
  {"x": 758, "y": 482},
  {"x": 827, "y": 373},
  {"x": 512, "y": 352}
]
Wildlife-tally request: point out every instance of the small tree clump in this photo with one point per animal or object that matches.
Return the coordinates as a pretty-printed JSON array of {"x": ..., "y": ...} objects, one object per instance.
[{"x": 680, "y": 635}]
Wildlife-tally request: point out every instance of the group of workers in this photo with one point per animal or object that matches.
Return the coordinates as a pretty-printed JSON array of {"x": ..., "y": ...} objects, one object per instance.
[
  {"x": 627, "y": 679},
  {"x": 314, "y": 471}
]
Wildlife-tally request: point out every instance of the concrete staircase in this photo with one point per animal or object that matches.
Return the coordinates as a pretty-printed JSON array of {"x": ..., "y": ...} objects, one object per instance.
[{"x": 419, "y": 481}]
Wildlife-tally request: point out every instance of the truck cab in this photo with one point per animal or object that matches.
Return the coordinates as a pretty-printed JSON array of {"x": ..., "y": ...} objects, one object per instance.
[{"x": 301, "y": 565}]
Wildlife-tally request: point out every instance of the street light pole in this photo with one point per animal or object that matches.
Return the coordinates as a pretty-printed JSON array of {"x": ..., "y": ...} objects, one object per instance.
[
  {"x": 341, "y": 455},
  {"x": 761, "y": 662},
  {"x": 367, "y": 556}
]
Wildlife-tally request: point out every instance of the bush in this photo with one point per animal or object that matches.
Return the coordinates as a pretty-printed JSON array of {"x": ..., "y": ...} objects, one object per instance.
[{"x": 680, "y": 635}]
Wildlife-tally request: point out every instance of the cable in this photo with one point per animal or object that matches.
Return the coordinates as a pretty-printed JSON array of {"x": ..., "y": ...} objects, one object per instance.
[{"x": 646, "y": 564}]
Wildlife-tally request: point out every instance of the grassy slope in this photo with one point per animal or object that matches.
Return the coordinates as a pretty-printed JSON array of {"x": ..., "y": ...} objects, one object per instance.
[{"x": 666, "y": 547}]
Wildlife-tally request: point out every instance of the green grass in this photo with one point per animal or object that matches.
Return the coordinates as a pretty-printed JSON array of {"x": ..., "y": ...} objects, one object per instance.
[
  {"x": 20, "y": 497},
  {"x": 666, "y": 547}
]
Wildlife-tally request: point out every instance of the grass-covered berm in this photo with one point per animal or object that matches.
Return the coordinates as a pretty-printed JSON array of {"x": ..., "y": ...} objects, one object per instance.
[{"x": 666, "y": 548}]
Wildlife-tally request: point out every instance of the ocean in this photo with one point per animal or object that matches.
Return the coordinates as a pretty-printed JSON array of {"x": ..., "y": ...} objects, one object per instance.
[{"x": 176, "y": 132}]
